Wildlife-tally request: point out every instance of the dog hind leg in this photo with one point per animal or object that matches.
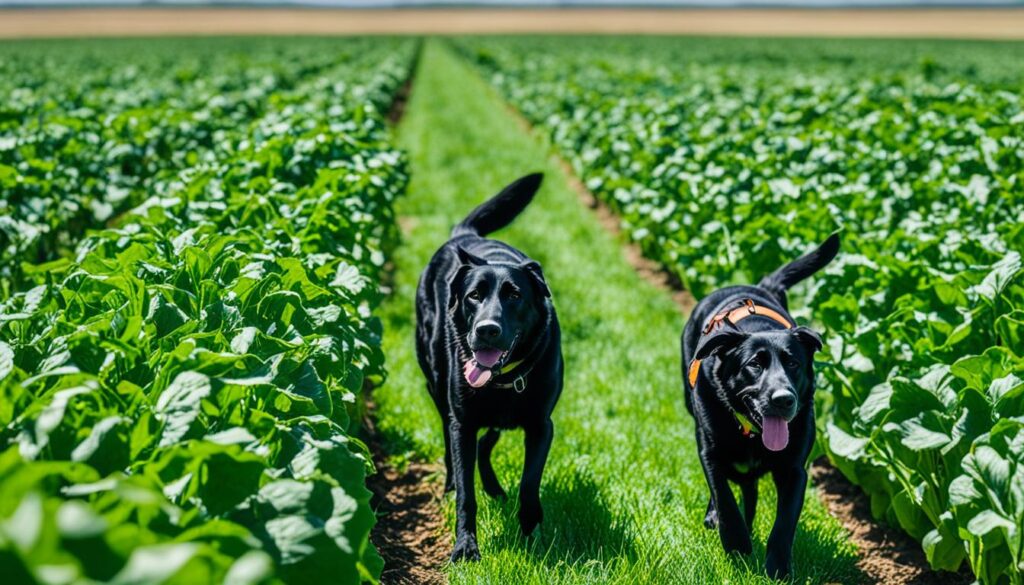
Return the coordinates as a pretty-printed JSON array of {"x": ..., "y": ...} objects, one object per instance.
[
  {"x": 492, "y": 487},
  {"x": 749, "y": 490},
  {"x": 538, "y": 444}
]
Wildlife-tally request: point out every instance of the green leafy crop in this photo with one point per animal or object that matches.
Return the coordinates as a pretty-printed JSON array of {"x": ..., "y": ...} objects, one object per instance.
[
  {"x": 179, "y": 378},
  {"x": 726, "y": 158}
]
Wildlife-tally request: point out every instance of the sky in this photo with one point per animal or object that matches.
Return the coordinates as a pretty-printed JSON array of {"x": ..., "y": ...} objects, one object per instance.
[{"x": 393, "y": 3}]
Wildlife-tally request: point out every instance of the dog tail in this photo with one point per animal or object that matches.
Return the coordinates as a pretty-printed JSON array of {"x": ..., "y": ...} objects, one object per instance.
[
  {"x": 499, "y": 211},
  {"x": 782, "y": 279}
]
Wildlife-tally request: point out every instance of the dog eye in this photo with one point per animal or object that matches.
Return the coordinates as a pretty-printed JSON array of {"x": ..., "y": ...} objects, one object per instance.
[
  {"x": 514, "y": 295},
  {"x": 475, "y": 295},
  {"x": 789, "y": 362},
  {"x": 754, "y": 364}
]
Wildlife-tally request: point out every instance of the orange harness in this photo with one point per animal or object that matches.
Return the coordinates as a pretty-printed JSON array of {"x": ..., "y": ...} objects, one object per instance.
[{"x": 734, "y": 316}]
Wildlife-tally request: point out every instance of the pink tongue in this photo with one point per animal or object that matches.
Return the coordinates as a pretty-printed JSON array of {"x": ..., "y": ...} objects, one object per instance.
[
  {"x": 475, "y": 375},
  {"x": 487, "y": 357},
  {"x": 775, "y": 433}
]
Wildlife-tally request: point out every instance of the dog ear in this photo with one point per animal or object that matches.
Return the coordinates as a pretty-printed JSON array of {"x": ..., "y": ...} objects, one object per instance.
[
  {"x": 455, "y": 285},
  {"x": 808, "y": 337},
  {"x": 719, "y": 341},
  {"x": 532, "y": 268},
  {"x": 468, "y": 259}
]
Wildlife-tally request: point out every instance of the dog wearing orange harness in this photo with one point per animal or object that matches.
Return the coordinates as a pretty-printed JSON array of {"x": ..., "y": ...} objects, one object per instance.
[{"x": 748, "y": 375}]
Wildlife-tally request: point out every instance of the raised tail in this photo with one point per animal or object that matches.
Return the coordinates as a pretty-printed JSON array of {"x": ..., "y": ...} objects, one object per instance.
[
  {"x": 499, "y": 211},
  {"x": 778, "y": 282}
]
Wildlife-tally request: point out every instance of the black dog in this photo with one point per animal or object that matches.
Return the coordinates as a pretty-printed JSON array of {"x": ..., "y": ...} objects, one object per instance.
[
  {"x": 489, "y": 345},
  {"x": 749, "y": 370}
]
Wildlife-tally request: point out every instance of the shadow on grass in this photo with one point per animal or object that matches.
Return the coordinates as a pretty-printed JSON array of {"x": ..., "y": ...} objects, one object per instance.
[{"x": 578, "y": 525}]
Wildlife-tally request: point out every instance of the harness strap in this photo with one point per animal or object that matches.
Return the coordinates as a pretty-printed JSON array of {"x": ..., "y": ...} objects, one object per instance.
[{"x": 748, "y": 309}]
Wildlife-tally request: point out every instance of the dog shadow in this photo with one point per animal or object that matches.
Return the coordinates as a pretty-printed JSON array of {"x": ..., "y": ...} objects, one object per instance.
[{"x": 578, "y": 527}]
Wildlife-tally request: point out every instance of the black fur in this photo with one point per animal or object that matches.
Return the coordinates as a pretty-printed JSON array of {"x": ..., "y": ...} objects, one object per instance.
[
  {"x": 756, "y": 368},
  {"x": 478, "y": 294}
]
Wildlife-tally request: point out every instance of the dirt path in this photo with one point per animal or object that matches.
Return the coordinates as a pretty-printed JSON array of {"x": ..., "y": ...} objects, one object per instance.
[{"x": 1002, "y": 23}]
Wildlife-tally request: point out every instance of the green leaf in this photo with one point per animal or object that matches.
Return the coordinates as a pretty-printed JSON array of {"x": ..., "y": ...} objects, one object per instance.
[
  {"x": 987, "y": 521},
  {"x": 6, "y": 360},
  {"x": 155, "y": 564},
  {"x": 178, "y": 405},
  {"x": 1003, "y": 272}
]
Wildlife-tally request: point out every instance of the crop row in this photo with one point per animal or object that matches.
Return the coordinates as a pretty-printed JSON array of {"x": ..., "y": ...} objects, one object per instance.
[
  {"x": 725, "y": 160},
  {"x": 177, "y": 394},
  {"x": 86, "y": 137}
]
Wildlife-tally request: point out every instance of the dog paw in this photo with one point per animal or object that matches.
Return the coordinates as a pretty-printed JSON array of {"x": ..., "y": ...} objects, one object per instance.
[
  {"x": 738, "y": 543},
  {"x": 530, "y": 515},
  {"x": 465, "y": 550},
  {"x": 777, "y": 567},
  {"x": 711, "y": 519},
  {"x": 495, "y": 491}
]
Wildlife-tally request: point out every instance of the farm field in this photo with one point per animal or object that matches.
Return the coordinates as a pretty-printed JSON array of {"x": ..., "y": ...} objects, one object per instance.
[
  {"x": 209, "y": 249},
  {"x": 724, "y": 158},
  {"x": 192, "y": 244}
]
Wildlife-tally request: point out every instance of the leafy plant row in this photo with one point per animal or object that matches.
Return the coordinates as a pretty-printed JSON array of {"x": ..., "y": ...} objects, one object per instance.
[
  {"x": 84, "y": 138},
  {"x": 727, "y": 159},
  {"x": 177, "y": 395}
]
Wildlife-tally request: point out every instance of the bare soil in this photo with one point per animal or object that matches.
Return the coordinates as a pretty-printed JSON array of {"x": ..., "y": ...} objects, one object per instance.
[
  {"x": 410, "y": 533},
  {"x": 983, "y": 23}
]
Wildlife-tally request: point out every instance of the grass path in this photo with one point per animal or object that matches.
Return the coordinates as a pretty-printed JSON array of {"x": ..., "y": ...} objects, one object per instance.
[{"x": 623, "y": 492}]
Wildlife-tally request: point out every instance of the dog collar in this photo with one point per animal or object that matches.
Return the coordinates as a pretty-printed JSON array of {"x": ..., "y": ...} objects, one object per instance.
[
  {"x": 519, "y": 383},
  {"x": 509, "y": 367},
  {"x": 747, "y": 309}
]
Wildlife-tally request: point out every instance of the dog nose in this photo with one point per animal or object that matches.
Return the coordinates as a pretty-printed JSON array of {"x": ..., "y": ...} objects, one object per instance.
[
  {"x": 783, "y": 399},
  {"x": 488, "y": 330}
]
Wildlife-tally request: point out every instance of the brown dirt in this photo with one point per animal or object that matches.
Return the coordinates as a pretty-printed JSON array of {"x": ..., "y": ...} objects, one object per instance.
[
  {"x": 648, "y": 269},
  {"x": 410, "y": 533},
  {"x": 985, "y": 23},
  {"x": 401, "y": 99},
  {"x": 887, "y": 555}
]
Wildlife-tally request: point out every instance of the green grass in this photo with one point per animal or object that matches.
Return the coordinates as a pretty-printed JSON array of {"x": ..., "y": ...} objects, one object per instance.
[{"x": 623, "y": 492}]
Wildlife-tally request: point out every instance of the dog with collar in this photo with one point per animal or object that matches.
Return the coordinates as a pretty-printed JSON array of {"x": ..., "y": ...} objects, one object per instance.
[
  {"x": 748, "y": 375},
  {"x": 488, "y": 342}
]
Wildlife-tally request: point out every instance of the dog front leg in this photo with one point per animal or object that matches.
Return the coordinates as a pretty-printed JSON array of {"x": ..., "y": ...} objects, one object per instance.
[
  {"x": 538, "y": 444},
  {"x": 790, "y": 484},
  {"x": 731, "y": 527},
  {"x": 449, "y": 473},
  {"x": 463, "y": 460}
]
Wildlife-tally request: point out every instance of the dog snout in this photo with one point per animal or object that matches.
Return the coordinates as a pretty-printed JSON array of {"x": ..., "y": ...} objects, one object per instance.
[
  {"x": 489, "y": 330},
  {"x": 783, "y": 400}
]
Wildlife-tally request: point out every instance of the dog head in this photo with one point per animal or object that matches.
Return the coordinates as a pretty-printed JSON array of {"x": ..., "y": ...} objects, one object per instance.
[
  {"x": 766, "y": 376},
  {"x": 495, "y": 308}
]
